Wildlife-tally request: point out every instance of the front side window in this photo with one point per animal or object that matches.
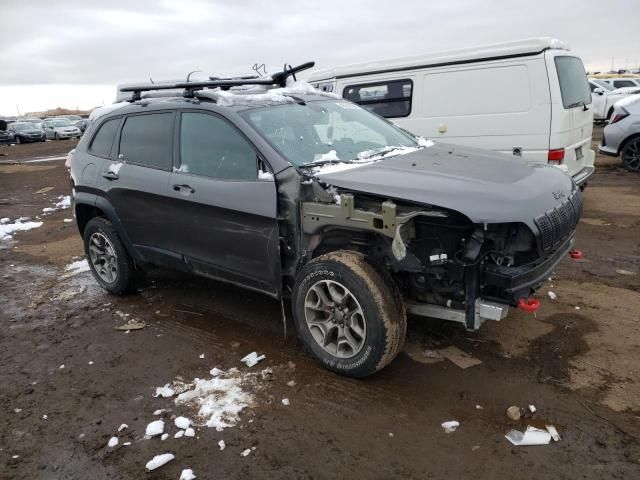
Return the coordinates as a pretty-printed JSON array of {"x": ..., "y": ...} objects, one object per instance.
[
  {"x": 211, "y": 147},
  {"x": 330, "y": 130},
  {"x": 574, "y": 86},
  {"x": 103, "y": 140},
  {"x": 390, "y": 99},
  {"x": 146, "y": 140},
  {"x": 624, "y": 83}
]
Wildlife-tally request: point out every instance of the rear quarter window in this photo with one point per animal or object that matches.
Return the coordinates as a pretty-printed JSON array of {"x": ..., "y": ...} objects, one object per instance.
[
  {"x": 574, "y": 86},
  {"x": 390, "y": 99},
  {"x": 103, "y": 139}
]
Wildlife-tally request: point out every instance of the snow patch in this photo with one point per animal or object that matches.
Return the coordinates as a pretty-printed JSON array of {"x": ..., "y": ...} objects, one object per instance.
[
  {"x": 165, "y": 392},
  {"x": 64, "y": 201},
  {"x": 266, "y": 176},
  {"x": 20, "y": 225},
  {"x": 74, "y": 268},
  {"x": 219, "y": 400},
  {"x": 154, "y": 428},
  {"x": 113, "y": 441},
  {"x": 115, "y": 167},
  {"x": 159, "y": 460},
  {"x": 187, "y": 474},
  {"x": 182, "y": 422}
]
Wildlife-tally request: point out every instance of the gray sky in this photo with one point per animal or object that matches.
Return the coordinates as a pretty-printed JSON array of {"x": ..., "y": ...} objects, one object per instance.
[{"x": 72, "y": 53}]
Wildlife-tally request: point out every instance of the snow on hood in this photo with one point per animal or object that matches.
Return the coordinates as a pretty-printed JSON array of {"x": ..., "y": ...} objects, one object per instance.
[{"x": 364, "y": 158}]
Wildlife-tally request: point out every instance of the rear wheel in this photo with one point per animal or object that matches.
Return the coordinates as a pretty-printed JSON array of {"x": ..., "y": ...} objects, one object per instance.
[
  {"x": 631, "y": 155},
  {"x": 349, "y": 316},
  {"x": 110, "y": 263}
]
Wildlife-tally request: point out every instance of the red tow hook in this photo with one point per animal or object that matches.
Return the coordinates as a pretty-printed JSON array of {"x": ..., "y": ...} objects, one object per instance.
[
  {"x": 576, "y": 254},
  {"x": 528, "y": 305}
]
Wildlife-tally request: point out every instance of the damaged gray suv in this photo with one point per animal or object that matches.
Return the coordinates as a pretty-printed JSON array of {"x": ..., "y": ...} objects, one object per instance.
[{"x": 276, "y": 187}]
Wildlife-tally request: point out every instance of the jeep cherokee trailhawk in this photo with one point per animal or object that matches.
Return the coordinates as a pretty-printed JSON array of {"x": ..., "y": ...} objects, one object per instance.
[{"x": 276, "y": 187}]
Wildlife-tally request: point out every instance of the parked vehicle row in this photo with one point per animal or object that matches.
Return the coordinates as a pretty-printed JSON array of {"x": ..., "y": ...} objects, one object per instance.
[
  {"x": 604, "y": 96},
  {"x": 36, "y": 130},
  {"x": 621, "y": 137}
]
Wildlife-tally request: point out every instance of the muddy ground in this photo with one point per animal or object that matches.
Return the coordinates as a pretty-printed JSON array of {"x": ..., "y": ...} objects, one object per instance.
[{"x": 577, "y": 361}]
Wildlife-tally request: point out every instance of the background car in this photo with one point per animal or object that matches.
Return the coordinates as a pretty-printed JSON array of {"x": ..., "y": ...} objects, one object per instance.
[
  {"x": 26, "y": 132},
  {"x": 60, "y": 128},
  {"x": 622, "y": 82},
  {"x": 603, "y": 97},
  {"x": 622, "y": 135},
  {"x": 37, "y": 122},
  {"x": 6, "y": 137}
]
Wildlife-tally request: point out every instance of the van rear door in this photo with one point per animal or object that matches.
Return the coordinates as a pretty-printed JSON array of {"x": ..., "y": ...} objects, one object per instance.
[{"x": 571, "y": 115}]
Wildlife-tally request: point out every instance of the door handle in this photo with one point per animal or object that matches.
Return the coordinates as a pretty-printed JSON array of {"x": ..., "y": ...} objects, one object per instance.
[
  {"x": 185, "y": 189},
  {"x": 110, "y": 175}
]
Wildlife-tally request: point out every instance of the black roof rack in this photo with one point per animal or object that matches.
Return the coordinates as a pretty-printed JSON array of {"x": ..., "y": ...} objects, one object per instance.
[{"x": 279, "y": 79}]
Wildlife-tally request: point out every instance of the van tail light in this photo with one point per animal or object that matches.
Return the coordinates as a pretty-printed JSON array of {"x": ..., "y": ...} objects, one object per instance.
[
  {"x": 555, "y": 157},
  {"x": 618, "y": 115},
  {"x": 69, "y": 159}
]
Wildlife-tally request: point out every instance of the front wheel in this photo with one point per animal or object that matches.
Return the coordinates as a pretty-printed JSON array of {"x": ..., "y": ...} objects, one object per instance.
[
  {"x": 348, "y": 315},
  {"x": 110, "y": 263},
  {"x": 631, "y": 155}
]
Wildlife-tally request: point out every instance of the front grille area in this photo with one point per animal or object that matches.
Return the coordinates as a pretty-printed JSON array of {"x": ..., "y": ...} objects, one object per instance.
[{"x": 559, "y": 222}]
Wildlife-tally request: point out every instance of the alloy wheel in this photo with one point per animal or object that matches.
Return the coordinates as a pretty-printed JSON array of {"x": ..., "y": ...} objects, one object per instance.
[
  {"x": 335, "y": 319},
  {"x": 631, "y": 156},
  {"x": 103, "y": 257}
]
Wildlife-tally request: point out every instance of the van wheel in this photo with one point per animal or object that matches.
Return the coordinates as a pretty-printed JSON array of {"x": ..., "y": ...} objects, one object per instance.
[
  {"x": 349, "y": 316},
  {"x": 110, "y": 263},
  {"x": 631, "y": 155}
]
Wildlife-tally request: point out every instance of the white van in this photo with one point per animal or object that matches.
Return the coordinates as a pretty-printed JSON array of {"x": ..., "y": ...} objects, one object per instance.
[{"x": 527, "y": 98}]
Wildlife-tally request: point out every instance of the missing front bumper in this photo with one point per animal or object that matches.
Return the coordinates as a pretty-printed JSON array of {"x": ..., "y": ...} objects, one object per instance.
[{"x": 484, "y": 310}]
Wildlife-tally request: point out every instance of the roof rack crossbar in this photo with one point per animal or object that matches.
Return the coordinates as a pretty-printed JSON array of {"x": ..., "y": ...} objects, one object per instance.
[{"x": 279, "y": 78}]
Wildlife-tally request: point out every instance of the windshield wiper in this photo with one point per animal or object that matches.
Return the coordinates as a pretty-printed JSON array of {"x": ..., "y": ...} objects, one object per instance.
[
  {"x": 378, "y": 151},
  {"x": 317, "y": 163}
]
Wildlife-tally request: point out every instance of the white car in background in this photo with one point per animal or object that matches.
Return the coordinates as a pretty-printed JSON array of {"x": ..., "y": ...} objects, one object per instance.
[
  {"x": 60, "y": 128},
  {"x": 622, "y": 82},
  {"x": 603, "y": 97}
]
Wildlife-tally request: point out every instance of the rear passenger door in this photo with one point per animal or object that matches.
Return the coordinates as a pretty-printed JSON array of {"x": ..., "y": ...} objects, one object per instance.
[
  {"x": 224, "y": 216},
  {"x": 136, "y": 184}
]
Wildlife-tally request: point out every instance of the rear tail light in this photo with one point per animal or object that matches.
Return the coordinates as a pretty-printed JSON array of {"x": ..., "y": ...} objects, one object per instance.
[
  {"x": 618, "y": 115},
  {"x": 555, "y": 157}
]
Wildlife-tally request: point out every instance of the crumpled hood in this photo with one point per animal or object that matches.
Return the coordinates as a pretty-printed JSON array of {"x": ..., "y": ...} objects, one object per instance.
[{"x": 485, "y": 186}]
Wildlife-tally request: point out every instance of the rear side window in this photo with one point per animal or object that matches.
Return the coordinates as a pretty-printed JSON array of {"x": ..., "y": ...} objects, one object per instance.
[
  {"x": 146, "y": 140},
  {"x": 103, "y": 140},
  {"x": 211, "y": 147},
  {"x": 624, "y": 83},
  {"x": 574, "y": 86},
  {"x": 390, "y": 99}
]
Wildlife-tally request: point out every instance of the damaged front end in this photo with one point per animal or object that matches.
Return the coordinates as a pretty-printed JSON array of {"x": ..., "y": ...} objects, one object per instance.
[{"x": 445, "y": 265}]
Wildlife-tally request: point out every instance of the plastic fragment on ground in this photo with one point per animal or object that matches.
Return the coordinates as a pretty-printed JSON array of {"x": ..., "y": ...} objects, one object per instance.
[
  {"x": 531, "y": 436},
  {"x": 252, "y": 359},
  {"x": 450, "y": 426}
]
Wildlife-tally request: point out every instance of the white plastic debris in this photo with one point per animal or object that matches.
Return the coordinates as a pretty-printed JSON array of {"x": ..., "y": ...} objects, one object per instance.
[
  {"x": 155, "y": 428},
  {"x": 201, "y": 355},
  {"x": 122, "y": 427},
  {"x": 159, "y": 460},
  {"x": 189, "y": 432},
  {"x": 17, "y": 410},
  {"x": 215, "y": 372},
  {"x": 252, "y": 359},
  {"x": 553, "y": 432},
  {"x": 159, "y": 412},
  {"x": 187, "y": 474},
  {"x": 291, "y": 383},
  {"x": 113, "y": 441},
  {"x": 164, "y": 436},
  {"x": 246, "y": 452},
  {"x": 532, "y": 408},
  {"x": 179, "y": 434},
  {"x": 165, "y": 392},
  {"x": 44, "y": 417},
  {"x": 285, "y": 402},
  {"x": 126, "y": 444},
  {"x": 61, "y": 367},
  {"x": 222, "y": 445},
  {"x": 90, "y": 362},
  {"x": 182, "y": 422},
  {"x": 450, "y": 426},
  {"x": 552, "y": 295},
  {"x": 531, "y": 436}
]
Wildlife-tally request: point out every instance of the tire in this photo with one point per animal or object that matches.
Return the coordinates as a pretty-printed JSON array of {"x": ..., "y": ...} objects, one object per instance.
[
  {"x": 631, "y": 155},
  {"x": 370, "y": 335},
  {"x": 109, "y": 261}
]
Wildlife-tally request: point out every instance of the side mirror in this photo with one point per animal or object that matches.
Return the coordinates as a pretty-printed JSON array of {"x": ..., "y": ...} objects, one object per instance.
[{"x": 599, "y": 91}]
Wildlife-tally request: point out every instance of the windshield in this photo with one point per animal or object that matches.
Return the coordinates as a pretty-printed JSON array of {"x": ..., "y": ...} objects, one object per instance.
[
  {"x": 60, "y": 123},
  {"x": 603, "y": 84},
  {"x": 74, "y": 118},
  {"x": 18, "y": 127},
  {"x": 326, "y": 131},
  {"x": 574, "y": 86}
]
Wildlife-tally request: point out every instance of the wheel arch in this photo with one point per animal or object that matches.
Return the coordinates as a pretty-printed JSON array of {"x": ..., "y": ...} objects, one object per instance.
[{"x": 624, "y": 143}]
